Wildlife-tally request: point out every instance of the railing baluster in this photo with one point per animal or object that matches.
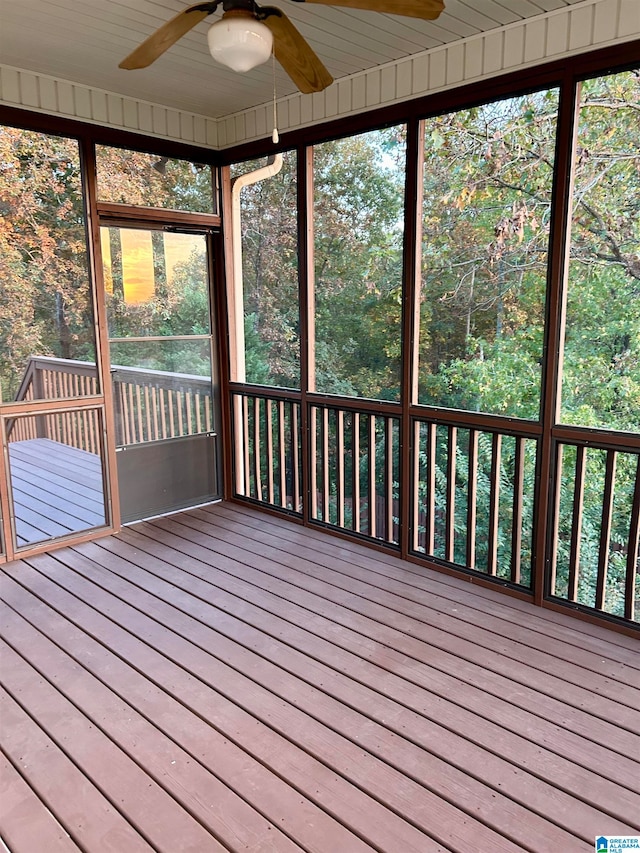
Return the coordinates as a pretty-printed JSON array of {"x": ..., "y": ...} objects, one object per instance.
[
  {"x": 282, "y": 453},
  {"x": 472, "y": 499},
  {"x": 147, "y": 407},
  {"x": 373, "y": 522},
  {"x": 268, "y": 424},
  {"x": 633, "y": 556},
  {"x": 326, "y": 510},
  {"x": 518, "y": 498},
  {"x": 355, "y": 452},
  {"x": 163, "y": 412},
  {"x": 295, "y": 455},
  {"x": 197, "y": 406},
  {"x": 340, "y": 491},
  {"x": 180, "y": 412},
  {"x": 450, "y": 512},
  {"x": 430, "y": 508},
  {"x": 313, "y": 459},
  {"x": 576, "y": 525},
  {"x": 246, "y": 445},
  {"x": 155, "y": 405},
  {"x": 552, "y": 574},
  {"x": 414, "y": 486},
  {"x": 494, "y": 503},
  {"x": 257, "y": 456},
  {"x": 605, "y": 529},
  {"x": 188, "y": 404},
  {"x": 388, "y": 492}
]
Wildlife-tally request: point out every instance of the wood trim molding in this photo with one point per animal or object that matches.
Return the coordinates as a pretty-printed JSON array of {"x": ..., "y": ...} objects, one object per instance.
[{"x": 555, "y": 35}]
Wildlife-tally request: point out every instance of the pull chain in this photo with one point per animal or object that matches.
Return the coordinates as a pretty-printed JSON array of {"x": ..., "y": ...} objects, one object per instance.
[{"x": 274, "y": 136}]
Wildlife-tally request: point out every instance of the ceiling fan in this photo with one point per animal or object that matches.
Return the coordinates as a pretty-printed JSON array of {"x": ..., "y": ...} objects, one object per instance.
[{"x": 247, "y": 33}]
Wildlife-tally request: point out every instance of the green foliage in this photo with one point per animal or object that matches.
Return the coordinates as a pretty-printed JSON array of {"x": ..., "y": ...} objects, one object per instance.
[
  {"x": 358, "y": 208},
  {"x": 44, "y": 299}
]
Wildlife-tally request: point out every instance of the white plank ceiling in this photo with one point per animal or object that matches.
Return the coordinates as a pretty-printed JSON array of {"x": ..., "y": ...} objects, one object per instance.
[{"x": 82, "y": 41}]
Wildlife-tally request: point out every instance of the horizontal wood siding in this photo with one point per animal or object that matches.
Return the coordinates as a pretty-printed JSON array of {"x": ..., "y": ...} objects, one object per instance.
[{"x": 556, "y": 34}]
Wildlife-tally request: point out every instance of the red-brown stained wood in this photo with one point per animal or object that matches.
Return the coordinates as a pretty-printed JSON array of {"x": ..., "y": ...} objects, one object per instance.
[
  {"x": 353, "y": 700},
  {"x": 576, "y": 525},
  {"x": 87, "y": 815},
  {"x": 605, "y": 528},
  {"x": 27, "y": 824}
]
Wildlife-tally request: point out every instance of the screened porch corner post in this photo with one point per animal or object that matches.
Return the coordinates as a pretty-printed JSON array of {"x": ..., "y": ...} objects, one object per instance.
[
  {"x": 557, "y": 278},
  {"x": 412, "y": 263},
  {"x": 306, "y": 289},
  {"x": 96, "y": 265}
]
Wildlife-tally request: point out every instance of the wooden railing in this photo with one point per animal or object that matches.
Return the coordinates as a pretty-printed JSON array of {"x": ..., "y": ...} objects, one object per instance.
[
  {"x": 473, "y": 493},
  {"x": 470, "y": 497},
  {"x": 354, "y": 456},
  {"x": 267, "y": 449},
  {"x": 48, "y": 378},
  {"x": 594, "y": 559},
  {"x": 150, "y": 405}
]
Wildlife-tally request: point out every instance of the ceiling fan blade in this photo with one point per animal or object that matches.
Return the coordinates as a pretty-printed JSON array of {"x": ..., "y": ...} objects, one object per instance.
[
  {"x": 428, "y": 10},
  {"x": 294, "y": 53},
  {"x": 166, "y": 35}
]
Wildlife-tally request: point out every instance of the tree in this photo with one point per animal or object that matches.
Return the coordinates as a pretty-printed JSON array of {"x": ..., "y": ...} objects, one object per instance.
[{"x": 45, "y": 305}]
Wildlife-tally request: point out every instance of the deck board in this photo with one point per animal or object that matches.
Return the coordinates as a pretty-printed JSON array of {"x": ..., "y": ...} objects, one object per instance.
[
  {"x": 271, "y": 688},
  {"x": 56, "y": 489}
]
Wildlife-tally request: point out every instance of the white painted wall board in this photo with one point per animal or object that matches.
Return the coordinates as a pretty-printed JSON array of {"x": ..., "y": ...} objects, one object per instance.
[
  {"x": 629, "y": 23},
  {"x": 173, "y": 124},
  {"x": 473, "y": 58},
  {"x": 455, "y": 64},
  {"x": 388, "y": 84},
  {"x": 100, "y": 110},
  {"x": 10, "y": 85},
  {"x": 160, "y": 121},
  {"x": 581, "y": 28},
  {"x": 82, "y": 99},
  {"x": 420, "y": 76},
  {"x": 344, "y": 98},
  {"x": 404, "y": 74},
  {"x": 48, "y": 95},
  {"x": 331, "y": 100},
  {"x": 114, "y": 110},
  {"x": 437, "y": 69},
  {"x": 130, "y": 114},
  {"x": 372, "y": 81},
  {"x": 513, "y": 47},
  {"x": 493, "y": 50},
  {"x": 606, "y": 15},
  {"x": 186, "y": 127},
  {"x": 29, "y": 94},
  {"x": 535, "y": 40},
  {"x": 66, "y": 99},
  {"x": 145, "y": 117},
  {"x": 358, "y": 93},
  {"x": 557, "y": 35}
]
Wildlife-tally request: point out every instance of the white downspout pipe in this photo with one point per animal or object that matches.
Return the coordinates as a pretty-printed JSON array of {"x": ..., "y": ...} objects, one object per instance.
[{"x": 274, "y": 165}]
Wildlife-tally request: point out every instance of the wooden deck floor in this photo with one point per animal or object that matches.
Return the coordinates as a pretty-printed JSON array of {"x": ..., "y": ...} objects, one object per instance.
[
  {"x": 226, "y": 680},
  {"x": 56, "y": 489}
]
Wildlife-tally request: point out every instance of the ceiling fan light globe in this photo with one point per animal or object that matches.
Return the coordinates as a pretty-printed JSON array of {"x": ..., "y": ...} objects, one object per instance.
[{"x": 240, "y": 43}]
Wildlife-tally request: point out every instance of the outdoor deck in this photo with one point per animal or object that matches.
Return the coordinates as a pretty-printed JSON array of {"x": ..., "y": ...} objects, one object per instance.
[
  {"x": 228, "y": 680},
  {"x": 57, "y": 489}
]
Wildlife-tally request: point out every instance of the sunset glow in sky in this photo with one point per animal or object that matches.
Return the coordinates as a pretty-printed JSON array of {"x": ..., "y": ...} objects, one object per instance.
[{"x": 137, "y": 260}]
